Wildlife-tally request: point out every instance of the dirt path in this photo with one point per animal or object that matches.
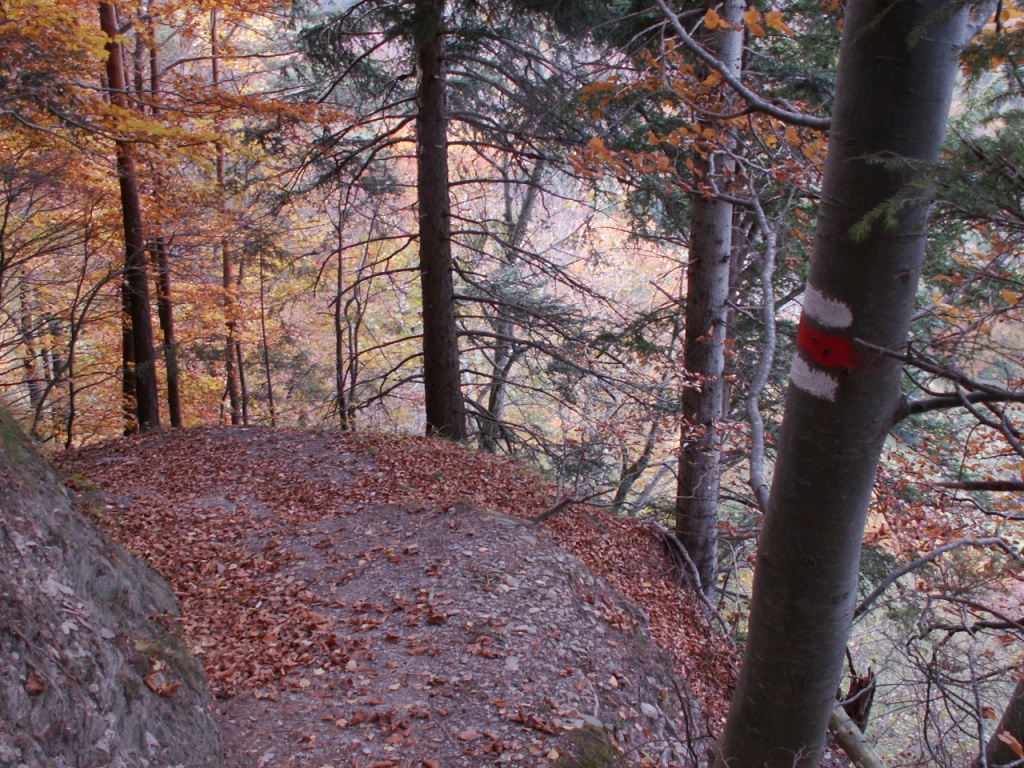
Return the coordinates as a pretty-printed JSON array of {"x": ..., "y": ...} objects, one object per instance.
[{"x": 370, "y": 601}]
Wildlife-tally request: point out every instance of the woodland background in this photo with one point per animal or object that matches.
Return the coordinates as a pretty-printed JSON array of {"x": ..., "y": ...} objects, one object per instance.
[{"x": 218, "y": 213}]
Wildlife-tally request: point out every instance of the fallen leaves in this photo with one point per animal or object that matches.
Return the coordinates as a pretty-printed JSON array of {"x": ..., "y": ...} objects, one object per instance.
[
  {"x": 34, "y": 683},
  {"x": 214, "y": 508}
]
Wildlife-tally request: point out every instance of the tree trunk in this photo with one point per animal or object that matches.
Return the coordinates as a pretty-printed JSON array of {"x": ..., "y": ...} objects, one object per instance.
[
  {"x": 445, "y": 410},
  {"x": 147, "y": 408},
  {"x": 343, "y": 364},
  {"x": 34, "y": 380},
  {"x": 707, "y": 290},
  {"x": 227, "y": 265},
  {"x": 505, "y": 352},
  {"x": 165, "y": 313},
  {"x": 159, "y": 255},
  {"x": 266, "y": 346},
  {"x": 842, "y": 397},
  {"x": 1011, "y": 726},
  {"x": 128, "y": 408}
]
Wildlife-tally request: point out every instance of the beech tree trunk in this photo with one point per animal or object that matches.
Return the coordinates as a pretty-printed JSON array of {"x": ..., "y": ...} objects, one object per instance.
[
  {"x": 136, "y": 283},
  {"x": 159, "y": 255},
  {"x": 445, "y": 410},
  {"x": 898, "y": 62},
  {"x": 707, "y": 289},
  {"x": 266, "y": 345},
  {"x": 998, "y": 751},
  {"x": 231, "y": 355},
  {"x": 505, "y": 352}
]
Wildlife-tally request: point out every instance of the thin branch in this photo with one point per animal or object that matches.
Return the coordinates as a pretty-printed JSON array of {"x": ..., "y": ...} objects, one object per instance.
[
  {"x": 893, "y": 577},
  {"x": 1008, "y": 486},
  {"x": 755, "y": 102}
]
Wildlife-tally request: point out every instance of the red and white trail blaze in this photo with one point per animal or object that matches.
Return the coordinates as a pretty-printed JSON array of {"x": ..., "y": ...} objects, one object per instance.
[{"x": 822, "y": 353}]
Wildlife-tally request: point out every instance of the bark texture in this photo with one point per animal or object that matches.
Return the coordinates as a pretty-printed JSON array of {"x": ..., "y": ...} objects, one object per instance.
[
  {"x": 896, "y": 73},
  {"x": 445, "y": 410},
  {"x": 232, "y": 354},
  {"x": 707, "y": 289},
  {"x": 165, "y": 313},
  {"x": 147, "y": 408},
  {"x": 999, "y": 751}
]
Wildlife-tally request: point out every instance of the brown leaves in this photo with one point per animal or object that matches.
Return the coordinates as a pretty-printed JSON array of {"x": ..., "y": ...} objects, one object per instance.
[
  {"x": 158, "y": 682},
  {"x": 34, "y": 683},
  {"x": 193, "y": 518}
]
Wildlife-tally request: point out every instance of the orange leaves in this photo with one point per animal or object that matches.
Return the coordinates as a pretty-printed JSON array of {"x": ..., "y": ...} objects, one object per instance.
[
  {"x": 34, "y": 683},
  {"x": 774, "y": 20},
  {"x": 753, "y": 20},
  {"x": 1010, "y": 740},
  {"x": 158, "y": 682},
  {"x": 713, "y": 21}
]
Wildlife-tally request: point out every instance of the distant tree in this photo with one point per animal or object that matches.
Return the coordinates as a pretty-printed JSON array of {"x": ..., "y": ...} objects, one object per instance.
[
  {"x": 710, "y": 255},
  {"x": 140, "y": 372}
]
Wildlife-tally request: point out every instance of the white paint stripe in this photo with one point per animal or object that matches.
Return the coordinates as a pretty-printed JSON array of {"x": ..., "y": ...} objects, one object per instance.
[
  {"x": 830, "y": 313},
  {"x": 815, "y": 382}
]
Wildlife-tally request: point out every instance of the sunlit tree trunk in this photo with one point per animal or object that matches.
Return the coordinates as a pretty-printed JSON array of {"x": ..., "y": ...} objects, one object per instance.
[
  {"x": 707, "y": 289},
  {"x": 34, "y": 380},
  {"x": 897, "y": 67},
  {"x": 159, "y": 254},
  {"x": 445, "y": 410},
  {"x": 266, "y": 344},
  {"x": 227, "y": 264},
  {"x": 136, "y": 283}
]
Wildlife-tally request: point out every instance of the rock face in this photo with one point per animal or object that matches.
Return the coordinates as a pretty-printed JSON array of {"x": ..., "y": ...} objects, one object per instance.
[{"x": 92, "y": 671}]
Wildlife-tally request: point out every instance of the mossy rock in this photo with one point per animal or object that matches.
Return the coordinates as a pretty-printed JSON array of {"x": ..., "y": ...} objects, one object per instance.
[{"x": 587, "y": 747}]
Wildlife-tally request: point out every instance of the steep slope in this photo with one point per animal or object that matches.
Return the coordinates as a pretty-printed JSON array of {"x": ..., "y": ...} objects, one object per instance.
[{"x": 92, "y": 672}]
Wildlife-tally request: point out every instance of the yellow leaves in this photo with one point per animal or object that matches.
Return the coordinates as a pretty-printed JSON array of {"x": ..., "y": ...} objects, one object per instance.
[
  {"x": 792, "y": 136},
  {"x": 712, "y": 80},
  {"x": 1010, "y": 297},
  {"x": 713, "y": 21},
  {"x": 596, "y": 146},
  {"x": 752, "y": 20},
  {"x": 774, "y": 20}
]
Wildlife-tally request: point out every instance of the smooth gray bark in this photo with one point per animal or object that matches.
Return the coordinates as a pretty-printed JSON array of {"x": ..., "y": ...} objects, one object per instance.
[
  {"x": 897, "y": 67},
  {"x": 707, "y": 289}
]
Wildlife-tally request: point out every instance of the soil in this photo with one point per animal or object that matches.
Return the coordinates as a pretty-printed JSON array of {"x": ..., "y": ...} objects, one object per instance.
[{"x": 367, "y": 601}]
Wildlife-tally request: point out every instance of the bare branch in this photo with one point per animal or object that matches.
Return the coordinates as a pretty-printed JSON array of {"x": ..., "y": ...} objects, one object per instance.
[
  {"x": 755, "y": 102},
  {"x": 892, "y": 578}
]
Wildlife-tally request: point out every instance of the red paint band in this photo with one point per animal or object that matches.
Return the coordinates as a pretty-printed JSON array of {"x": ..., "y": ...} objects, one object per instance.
[{"x": 826, "y": 349}]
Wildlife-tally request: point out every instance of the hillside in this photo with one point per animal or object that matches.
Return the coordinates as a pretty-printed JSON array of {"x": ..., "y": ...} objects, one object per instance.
[
  {"x": 92, "y": 670},
  {"x": 361, "y": 600}
]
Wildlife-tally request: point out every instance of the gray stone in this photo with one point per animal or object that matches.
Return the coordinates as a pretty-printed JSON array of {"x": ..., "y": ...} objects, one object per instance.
[{"x": 74, "y": 607}]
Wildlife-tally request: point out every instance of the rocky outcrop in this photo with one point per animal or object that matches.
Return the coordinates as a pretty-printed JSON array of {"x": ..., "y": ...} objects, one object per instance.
[{"x": 92, "y": 669}]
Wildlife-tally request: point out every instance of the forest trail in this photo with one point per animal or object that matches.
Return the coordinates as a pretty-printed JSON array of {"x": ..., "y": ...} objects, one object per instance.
[{"x": 362, "y": 600}]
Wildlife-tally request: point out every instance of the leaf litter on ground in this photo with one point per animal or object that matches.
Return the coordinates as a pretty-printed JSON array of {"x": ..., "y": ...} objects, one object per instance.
[{"x": 266, "y": 535}]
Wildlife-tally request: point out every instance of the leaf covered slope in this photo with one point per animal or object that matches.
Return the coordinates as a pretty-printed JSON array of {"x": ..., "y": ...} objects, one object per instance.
[{"x": 384, "y": 597}]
